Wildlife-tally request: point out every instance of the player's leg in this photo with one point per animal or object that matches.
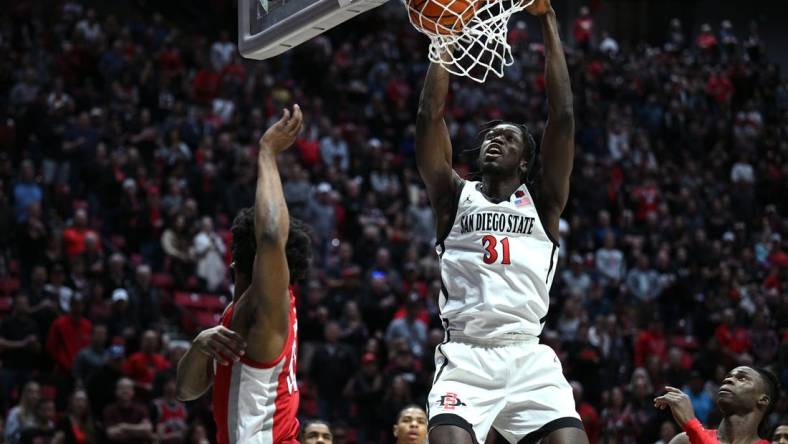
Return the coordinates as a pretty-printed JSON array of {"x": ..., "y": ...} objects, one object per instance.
[
  {"x": 466, "y": 396},
  {"x": 541, "y": 407},
  {"x": 566, "y": 435},
  {"x": 449, "y": 434}
]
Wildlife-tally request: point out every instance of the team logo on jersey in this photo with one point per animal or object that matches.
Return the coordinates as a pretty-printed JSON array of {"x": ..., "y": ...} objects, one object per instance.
[{"x": 449, "y": 401}]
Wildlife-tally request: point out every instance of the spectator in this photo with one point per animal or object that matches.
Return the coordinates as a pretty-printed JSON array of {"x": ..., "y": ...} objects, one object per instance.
[
  {"x": 584, "y": 28},
  {"x": 208, "y": 251},
  {"x": 26, "y": 192},
  {"x": 222, "y": 51},
  {"x": 702, "y": 402},
  {"x": 43, "y": 426},
  {"x": 575, "y": 278},
  {"x": 396, "y": 398},
  {"x": 77, "y": 426},
  {"x": 175, "y": 243},
  {"x": 58, "y": 289},
  {"x": 141, "y": 367},
  {"x": 20, "y": 347},
  {"x": 667, "y": 431},
  {"x": 196, "y": 434},
  {"x": 643, "y": 281},
  {"x": 409, "y": 328},
  {"x": 107, "y": 375},
  {"x": 69, "y": 334},
  {"x": 780, "y": 435},
  {"x": 331, "y": 369},
  {"x": 609, "y": 45},
  {"x": 92, "y": 357},
  {"x": 411, "y": 425},
  {"x": 365, "y": 390},
  {"x": 147, "y": 299},
  {"x": 587, "y": 412},
  {"x": 169, "y": 415},
  {"x": 610, "y": 261},
  {"x": 334, "y": 150},
  {"x": 22, "y": 416},
  {"x": 316, "y": 432},
  {"x": 74, "y": 236},
  {"x": 125, "y": 420},
  {"x": 650, "y": 342}
]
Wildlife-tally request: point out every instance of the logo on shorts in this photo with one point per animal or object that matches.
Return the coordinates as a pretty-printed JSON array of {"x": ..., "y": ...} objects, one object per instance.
[{"x": 449, "y": 401}]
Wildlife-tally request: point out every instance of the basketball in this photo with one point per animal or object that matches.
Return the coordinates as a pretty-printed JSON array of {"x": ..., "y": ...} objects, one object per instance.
[{"x": 442, "y": 17}]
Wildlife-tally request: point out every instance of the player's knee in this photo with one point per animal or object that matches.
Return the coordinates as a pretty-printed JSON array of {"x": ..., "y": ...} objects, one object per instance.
[{"x": 449, "y": 434}]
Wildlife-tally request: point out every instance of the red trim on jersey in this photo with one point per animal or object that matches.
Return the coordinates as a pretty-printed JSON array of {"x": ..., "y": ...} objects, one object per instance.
[
  {"x": 698, "y": 435},
  {"x": 285, "y": 348}
]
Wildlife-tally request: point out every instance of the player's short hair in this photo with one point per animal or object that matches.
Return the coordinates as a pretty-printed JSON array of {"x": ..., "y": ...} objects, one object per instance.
[
  {"x": 310, "y": 422},
  {"x": 530, "y": 148},
  {"x": 298, "y": 248},
  {"x": 408, "y": 407},
  {"x": 772, "y": 386}
]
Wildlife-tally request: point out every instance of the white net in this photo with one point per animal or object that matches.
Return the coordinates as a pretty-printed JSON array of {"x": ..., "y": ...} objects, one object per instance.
[{"x": 467, "y": 37}]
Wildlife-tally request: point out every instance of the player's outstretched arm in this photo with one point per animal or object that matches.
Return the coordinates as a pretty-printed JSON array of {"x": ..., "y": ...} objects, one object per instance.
[
  {"x": 433, "y": 148},
  {"x": 558, "y": 140},
  {"x": 265, "y": 307}
]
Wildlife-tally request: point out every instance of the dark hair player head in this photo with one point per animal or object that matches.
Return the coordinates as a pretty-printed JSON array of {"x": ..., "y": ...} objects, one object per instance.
[
  {"x": 298, "y": 249},
  {"x": 508, "y": 150},
  {"x": 748, "y": 389}
]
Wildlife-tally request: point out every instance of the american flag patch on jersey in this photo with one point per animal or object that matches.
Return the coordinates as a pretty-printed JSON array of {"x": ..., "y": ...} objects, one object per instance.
[{"x": 521, "y": 202}]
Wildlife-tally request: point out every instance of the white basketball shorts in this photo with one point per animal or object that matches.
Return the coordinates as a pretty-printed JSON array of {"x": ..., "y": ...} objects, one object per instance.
[{"x": 517, "y": 388}]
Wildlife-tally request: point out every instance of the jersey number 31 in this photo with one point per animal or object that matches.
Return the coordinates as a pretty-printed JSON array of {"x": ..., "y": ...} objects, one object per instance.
[{"x": 490, "y": 243}]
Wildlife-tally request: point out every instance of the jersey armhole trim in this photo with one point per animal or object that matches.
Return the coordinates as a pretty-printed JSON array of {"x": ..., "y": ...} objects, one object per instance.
[
  {"x": 455, "y": 207},
  {"x": 274, "y": 362},
  {"x": 538, "y": 213}
]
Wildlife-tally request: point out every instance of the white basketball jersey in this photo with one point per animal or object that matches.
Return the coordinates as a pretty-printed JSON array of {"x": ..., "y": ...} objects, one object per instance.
[{"x": 497, "y": 265}]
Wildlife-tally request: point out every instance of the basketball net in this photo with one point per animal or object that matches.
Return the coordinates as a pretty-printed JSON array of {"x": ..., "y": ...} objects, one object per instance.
[{"x": 480, "y": 46}]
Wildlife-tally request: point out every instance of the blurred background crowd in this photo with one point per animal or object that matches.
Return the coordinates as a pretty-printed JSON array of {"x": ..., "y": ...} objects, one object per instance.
[{"x": 128, "y": 144}]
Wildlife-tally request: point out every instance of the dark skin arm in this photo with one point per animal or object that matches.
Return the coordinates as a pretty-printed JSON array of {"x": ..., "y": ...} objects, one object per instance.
[
  {"x": 263, "y": 311},
  {"x": 558, "y": 140},
  {"x": 195, "y": 369},
  {"x": 433, "y": 148}
]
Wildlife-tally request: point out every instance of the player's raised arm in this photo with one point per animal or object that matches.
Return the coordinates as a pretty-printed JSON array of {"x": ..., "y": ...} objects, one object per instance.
[
  {"x": 433, "y": 147},
  {"x": 558, "y": 140},
  {"x": 267, "y": 300}
]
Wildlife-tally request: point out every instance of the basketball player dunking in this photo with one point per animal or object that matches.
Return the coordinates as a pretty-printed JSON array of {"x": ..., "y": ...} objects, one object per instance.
[
  {"x": 498, "y": 251},
  {"x": 251, "y": 356}
]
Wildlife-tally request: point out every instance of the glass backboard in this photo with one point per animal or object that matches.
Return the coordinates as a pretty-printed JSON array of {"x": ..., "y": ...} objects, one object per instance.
[{"x": 267, "y": 28}]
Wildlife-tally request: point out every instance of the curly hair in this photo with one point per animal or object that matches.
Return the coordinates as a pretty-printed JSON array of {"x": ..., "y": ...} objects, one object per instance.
[
  {"x": 298, "y": 249},
  {"x": 772, "y": 386}
]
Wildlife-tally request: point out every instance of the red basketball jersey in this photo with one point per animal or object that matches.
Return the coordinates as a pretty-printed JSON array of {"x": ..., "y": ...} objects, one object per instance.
[{"x": 257, "y": 402}]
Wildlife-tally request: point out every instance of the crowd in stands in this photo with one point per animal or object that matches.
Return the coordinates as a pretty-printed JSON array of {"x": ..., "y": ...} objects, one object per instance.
[{"x": 128, "y": 144}]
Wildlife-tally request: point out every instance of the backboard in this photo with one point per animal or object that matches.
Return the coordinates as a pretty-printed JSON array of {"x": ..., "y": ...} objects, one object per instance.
[{"x": 267, "y": 28}]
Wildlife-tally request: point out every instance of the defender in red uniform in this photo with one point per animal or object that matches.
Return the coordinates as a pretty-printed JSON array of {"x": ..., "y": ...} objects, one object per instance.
[
  {"x": 250, "y": 358},
  {"x": 746, "y": 398}
]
